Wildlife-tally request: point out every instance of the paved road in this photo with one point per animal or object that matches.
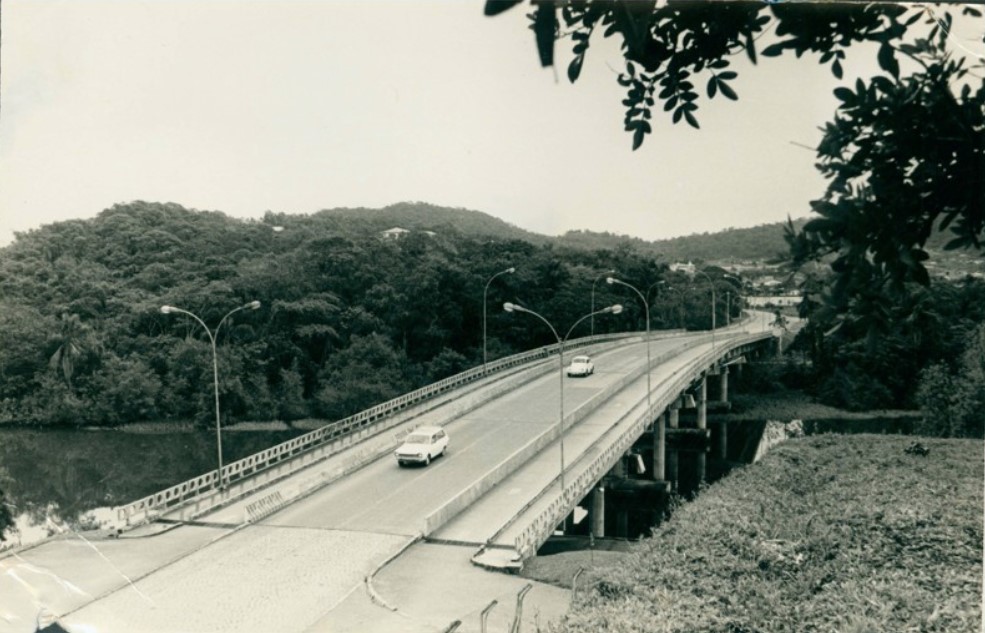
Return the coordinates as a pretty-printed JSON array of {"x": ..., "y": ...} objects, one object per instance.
[{"x": 385, "y": 498}]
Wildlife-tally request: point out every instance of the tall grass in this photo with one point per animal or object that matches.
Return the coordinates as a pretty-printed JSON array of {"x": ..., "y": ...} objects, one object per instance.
[{"x": 827, "y": 533}]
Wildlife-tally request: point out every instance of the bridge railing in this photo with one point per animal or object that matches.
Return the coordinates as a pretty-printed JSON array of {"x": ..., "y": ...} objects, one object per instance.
[
  {"x": 235, "y": 471},
  {"x": 543, "y": 525},
  {"x": 500, "y": 471}
]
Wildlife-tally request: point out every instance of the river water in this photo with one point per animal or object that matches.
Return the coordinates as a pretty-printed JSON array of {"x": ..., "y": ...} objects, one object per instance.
[{"x": 57, "y": 480}]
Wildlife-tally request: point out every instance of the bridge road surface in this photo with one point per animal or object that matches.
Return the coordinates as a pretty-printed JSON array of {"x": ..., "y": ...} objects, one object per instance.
[
  {"x": 289, "y": 572},
  {"x": 292, "y": 571}
]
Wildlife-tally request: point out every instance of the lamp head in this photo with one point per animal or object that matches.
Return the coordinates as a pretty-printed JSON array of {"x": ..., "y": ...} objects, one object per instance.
[
  {"x": 253, "y": 305},
  {"x": 166, "y": 309},
  {"x": 616, "y": 309},
  {"x": 511, "y": 270},
  {"x": 610, "y": 280},
  {"x": 509, "y": 307}
]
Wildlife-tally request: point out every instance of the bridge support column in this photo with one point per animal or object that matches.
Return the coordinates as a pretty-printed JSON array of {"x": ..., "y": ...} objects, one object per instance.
[
  {"x": 703, "y": 404},
  {"x": 660, "y": 448},
  {"x": 672, "y": 468},
  {"x": 701, "y": 463},
  {"x": 674, "y": 414},
  {"x": 622, "y": 521},
  {"x": 723, "y": 384},
  {"x": 598, "y": 512},
  {"x": 722, "y": 440}
]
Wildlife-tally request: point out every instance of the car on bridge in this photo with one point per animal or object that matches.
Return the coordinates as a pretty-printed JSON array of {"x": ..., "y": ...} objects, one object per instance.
[
  {"x": 581, "y": 366},
  {"x": 422, "y": 445}
]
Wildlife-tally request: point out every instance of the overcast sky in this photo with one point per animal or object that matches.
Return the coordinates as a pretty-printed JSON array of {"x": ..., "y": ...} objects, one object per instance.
[{"x": 293, "y": 107}]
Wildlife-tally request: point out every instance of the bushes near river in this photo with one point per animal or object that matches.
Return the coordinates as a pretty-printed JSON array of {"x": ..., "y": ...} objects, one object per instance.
[{"x": 847, "y": 533}]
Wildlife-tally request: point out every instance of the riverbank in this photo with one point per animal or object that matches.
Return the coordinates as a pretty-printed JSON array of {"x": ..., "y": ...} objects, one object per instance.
[
  {"x": 831, "y": 532},
  {"x": 797, "y": 405}
]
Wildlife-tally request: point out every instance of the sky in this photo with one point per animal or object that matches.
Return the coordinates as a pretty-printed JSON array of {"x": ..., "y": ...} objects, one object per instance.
[{"x": 248, "y": 106}]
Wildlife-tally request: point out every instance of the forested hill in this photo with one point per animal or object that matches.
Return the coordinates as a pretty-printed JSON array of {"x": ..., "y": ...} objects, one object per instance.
[
  {"x": 347, "y": 318},
  {"x": 764, "y": 242},
  {"x": 421, "y": 216}
]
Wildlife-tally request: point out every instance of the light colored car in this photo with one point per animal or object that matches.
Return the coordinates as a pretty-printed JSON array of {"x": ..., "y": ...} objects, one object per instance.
[
  {"x": 422, "y": 445},
  {"x": 581, "y": 366}
]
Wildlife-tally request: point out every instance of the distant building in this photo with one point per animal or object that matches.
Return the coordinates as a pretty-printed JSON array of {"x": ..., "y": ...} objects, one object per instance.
[
  {"x": 688, "y": 268},
  {"x": 394, "y": 234}
]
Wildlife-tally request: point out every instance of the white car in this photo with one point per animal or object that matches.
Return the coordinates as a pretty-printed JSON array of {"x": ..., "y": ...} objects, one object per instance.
[
  {"x": 422, "y": 445},
  {"x": 581, "y": 366}
]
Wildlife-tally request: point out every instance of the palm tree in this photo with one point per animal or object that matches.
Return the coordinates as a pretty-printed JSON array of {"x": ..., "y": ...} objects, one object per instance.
[{"x": 75, "y": 340}]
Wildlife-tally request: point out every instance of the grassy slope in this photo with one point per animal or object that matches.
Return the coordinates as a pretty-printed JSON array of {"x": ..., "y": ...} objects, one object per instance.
[{"x": 827, "y": 533}]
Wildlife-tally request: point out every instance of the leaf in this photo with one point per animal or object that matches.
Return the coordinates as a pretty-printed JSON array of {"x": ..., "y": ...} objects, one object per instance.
[
  {"x": 545, "y": 28},
  {"x": 693, "y": 122},
  {"x": 887, "y": 60},
  {"x": 751, "y": 47},
  {"x": 845, "y": 95},
  {"x": 574, "y": 68},
  {"x": 678, "y": 113},
  {"x": 495, "y": 7},
  {"x": 727, "y": 91},
  {"x": 712, "y": 86},
  {"x": 773, "y": 50},
  {"x": 638, "y": 136},
  {"x": 913, "y": 18},
  {"x": 728, "y": 74},
  {"x": 836, "y": 69}
]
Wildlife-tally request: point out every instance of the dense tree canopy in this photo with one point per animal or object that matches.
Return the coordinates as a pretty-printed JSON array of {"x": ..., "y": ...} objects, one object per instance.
[{"x": 348, "y": 318}]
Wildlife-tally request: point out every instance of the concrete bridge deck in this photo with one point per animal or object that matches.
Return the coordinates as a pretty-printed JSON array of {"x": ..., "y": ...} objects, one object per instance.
[{"x": 304, "y": 567}]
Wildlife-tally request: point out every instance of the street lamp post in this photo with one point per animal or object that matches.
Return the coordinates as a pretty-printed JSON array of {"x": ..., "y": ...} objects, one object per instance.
[
  {"x": 613, "y": 309},
  {"x": 510, "y": 271},
  {"x": 656, "y": 284},
  {"x": 646, "y": 306},
  {"x": 713, "y": 303},
  {"x": 252, "y": 305},
  {"x": 681, "y": 296},
  {"x": 728, "y": 295},
  {"x": 594, "y": 281}
]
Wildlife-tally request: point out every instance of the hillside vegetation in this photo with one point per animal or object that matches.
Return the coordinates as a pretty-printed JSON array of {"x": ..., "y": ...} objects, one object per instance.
[
  {"x": 348, "y": 319},
  {"x": 828, "y": 533}
]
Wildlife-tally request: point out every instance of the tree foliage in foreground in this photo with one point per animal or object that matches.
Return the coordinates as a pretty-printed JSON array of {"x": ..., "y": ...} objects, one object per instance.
[{"x": 904, "y": 153}]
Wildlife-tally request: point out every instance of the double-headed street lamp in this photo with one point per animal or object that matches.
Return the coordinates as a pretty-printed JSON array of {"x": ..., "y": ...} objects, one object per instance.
[
  {"x": 646, "y": 306},
  {"x": 508, "y": 271},
  {"x": 613, "y": 309},
  {"x": 252, "y": 305},
  {"x": 594, "y": 281}
]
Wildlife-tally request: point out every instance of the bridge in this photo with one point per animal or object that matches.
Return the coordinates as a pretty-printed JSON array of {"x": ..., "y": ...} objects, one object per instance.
[{"x": 255, "y": 553}]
